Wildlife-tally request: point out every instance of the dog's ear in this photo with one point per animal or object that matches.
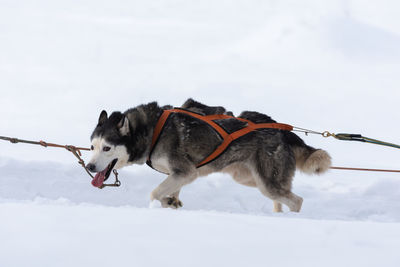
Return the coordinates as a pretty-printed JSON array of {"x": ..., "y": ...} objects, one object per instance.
[
  {"x": 102, "y": 118},
  {"x": 123, "y": 126}
]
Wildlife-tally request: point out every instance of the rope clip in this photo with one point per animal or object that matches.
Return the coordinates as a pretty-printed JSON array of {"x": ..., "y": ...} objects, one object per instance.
[{"x": 328, "y": 134}]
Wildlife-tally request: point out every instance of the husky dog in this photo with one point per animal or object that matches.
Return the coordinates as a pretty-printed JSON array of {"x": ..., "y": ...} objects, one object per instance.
[{"x": 265, "y": 158}]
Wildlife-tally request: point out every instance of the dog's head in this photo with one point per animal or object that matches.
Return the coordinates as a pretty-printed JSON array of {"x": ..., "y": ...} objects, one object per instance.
[{"x": 109, "y": 146}]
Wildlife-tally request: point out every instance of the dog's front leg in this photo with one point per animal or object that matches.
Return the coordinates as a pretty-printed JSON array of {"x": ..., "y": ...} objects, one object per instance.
[
  {"x": 172, "y": 201},
  {"x": 168, "y": 191}
]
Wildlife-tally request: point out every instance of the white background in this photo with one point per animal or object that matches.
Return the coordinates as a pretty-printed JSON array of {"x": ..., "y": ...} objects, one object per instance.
[{"x": 323, "y": 65}]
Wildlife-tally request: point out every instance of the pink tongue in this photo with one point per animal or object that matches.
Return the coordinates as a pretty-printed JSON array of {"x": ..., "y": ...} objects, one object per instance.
[{"x": 98, "y": 180}]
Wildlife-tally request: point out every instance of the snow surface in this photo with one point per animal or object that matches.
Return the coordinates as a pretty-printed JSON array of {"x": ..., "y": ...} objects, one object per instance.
[
  {"x": 324, "y": 65},
  {"x": 63, "y": 234}
]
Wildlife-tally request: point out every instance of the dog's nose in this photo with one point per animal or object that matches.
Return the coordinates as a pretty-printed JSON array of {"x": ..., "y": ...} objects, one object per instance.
[{"x": 91, "y": 167}]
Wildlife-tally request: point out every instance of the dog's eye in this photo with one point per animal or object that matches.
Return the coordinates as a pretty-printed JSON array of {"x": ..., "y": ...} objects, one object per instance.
[
  {"x": 91, "y": 148},
  {"x": 106, "y": 148}
]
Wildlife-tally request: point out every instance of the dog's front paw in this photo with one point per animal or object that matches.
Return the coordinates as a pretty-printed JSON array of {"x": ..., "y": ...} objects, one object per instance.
[{"x": 171, "y": 202}]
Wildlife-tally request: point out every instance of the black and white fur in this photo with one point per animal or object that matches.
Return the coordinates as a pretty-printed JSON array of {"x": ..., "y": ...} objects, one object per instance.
[{"x": 266, "y": 158}]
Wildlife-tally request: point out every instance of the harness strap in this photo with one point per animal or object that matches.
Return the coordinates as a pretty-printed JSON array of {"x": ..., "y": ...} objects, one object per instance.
[
  {"x": 235, "y": 135},
  {"x": 209, "y": 119}
]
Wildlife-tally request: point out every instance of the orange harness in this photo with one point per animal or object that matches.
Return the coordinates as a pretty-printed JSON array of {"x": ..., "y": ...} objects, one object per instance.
[{"x": 209, "y": 119}]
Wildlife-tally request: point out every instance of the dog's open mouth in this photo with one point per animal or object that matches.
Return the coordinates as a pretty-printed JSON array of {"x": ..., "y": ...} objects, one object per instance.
[{"x": 102, "y": 176}]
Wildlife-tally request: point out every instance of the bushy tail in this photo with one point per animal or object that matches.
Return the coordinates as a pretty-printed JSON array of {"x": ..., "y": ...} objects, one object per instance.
[
  {"x": 312, "y": 161},
  {"x": 308, "y": 159}
]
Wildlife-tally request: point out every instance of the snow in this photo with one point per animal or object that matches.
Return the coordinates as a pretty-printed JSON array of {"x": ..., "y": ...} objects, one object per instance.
[
  {"x": 54, "y": 215},
  {"x": 324, "y": 65},
  {"x": 370, "y": 197},
  {"x": 65, "y": 234}
]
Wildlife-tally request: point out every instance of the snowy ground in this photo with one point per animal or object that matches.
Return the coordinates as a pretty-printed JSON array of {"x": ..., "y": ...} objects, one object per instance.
[
  {"x": 325, "y": 65},
  {"x": 53, "y": 216},
  {"x": 64, "y": 234},
  {"x": 370, "y": 197}
]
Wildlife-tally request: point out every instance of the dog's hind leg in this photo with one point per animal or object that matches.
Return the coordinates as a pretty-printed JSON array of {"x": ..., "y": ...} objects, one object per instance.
[
  {"x": 277, "y": 206},
  {"x": 291, "y": 200},
  {"x": 273, "y": 176},
  {"x": 279, "y": 196}
]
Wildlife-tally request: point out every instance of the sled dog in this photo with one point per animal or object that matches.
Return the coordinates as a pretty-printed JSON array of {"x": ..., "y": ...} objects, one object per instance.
[{"x": 264, "y": 158}]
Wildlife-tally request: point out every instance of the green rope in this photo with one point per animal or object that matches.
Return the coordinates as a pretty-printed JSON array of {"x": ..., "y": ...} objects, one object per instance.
[
  {"x": 374, "y": 141},
  {"x": 360, "y": 138}
]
